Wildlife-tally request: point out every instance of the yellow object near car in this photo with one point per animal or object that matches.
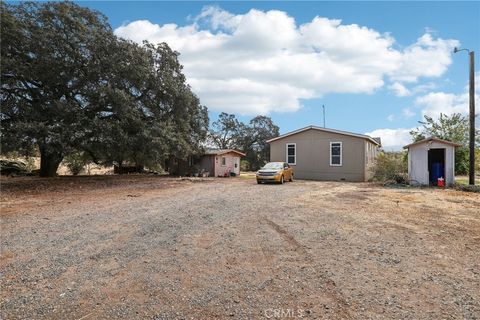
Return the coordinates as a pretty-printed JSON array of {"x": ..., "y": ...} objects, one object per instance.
[{"x": 275, "y": 172}]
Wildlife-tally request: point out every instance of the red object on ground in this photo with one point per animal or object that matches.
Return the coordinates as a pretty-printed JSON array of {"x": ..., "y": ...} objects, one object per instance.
[{"x": 441, "y": 182}]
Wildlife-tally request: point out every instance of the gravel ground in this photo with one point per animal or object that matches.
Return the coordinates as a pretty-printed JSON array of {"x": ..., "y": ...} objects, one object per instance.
[{"x": 164, "y": 248}]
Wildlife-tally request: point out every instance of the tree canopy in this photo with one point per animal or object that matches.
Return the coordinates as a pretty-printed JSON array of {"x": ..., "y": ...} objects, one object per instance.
[
  {"x": 229, "y": 133},
  {"x": 68, "y": 84}
]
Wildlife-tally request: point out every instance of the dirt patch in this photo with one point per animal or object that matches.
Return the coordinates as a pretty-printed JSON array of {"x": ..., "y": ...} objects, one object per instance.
[
  {"x": 36, "y": 193},
  {"x": 355, "y": 196},
  {"x": 164, "y": 248},
  {"x": 18, "y": 186}
]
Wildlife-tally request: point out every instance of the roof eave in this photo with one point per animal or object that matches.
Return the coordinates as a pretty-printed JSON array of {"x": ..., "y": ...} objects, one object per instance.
[
  {"x": 326, "y": 130},
  {"x": 225, "y": 152},
  {"x": 432, "y": 139}
]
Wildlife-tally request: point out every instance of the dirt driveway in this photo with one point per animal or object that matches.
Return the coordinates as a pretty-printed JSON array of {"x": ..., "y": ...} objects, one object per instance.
[{"x": 163, "y": 248}]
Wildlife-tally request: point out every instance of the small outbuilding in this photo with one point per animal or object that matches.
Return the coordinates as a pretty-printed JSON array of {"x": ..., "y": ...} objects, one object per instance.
[
  {"x": 431, "y": 159},
  {"x": 221, "y": 163},
  {"x": 212, "y": 163}
]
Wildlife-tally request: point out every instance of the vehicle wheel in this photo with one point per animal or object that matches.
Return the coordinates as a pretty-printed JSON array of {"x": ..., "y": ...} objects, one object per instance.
[
  {"x": 282, "y": 180},
  {"x": 259, "y": 182},
  {"x": 291, "y": 178}
]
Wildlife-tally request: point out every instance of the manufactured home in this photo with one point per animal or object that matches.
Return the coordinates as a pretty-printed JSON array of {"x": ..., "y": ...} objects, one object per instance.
[{"x": 317, "y": 153}]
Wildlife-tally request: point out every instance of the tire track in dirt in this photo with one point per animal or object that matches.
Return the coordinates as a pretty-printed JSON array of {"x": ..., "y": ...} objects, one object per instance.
[
  {"x": 287, "y": 237},
  {"x": 330, "y": 286}
]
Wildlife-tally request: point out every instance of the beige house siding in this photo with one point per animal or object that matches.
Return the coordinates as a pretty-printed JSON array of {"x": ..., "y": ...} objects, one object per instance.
[
  {"x": 371, "y": 153},
  {"x": 313, "y": 155}
]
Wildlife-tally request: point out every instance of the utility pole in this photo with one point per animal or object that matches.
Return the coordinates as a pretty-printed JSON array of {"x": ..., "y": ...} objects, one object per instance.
[
  {"x": 471, "y": 178},
  {"x": 471, "y": 173},
  {"x": 323, "y": 107}
]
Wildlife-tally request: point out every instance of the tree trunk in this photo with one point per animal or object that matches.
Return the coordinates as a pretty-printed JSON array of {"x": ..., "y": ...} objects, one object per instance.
[{"x": 49, "y": 162}]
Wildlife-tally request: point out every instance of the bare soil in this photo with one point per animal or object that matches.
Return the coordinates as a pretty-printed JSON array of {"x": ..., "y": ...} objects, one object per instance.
[{"x": 137, "y": 247}]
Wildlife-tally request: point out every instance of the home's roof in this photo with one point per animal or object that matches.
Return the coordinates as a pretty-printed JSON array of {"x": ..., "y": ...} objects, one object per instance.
[
  {"x": 222, "y": 151},
  {"x": 346, "y": 133},
  {"x": 430, "y": 139},
  {"x": 378, "y": 139}
]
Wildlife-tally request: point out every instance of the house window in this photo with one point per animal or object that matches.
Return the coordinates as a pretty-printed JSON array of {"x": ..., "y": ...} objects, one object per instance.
[
  {"x": 291, "y": 153},
  {"x": 335, "y": 153},
  {"x": 224, "y": 161}
]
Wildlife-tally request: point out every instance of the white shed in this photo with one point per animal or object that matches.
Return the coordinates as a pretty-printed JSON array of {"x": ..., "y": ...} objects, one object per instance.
[{"x": 430, "y": 159}]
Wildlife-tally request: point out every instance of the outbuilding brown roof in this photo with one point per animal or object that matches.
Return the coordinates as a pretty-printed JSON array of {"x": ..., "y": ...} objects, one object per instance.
[
  {"x": 222, "y": 151},
  {"x": 430, "y": 139}
]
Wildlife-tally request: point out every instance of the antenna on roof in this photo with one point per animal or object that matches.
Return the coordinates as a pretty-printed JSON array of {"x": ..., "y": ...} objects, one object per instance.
[{"x": 323, "y": 107}]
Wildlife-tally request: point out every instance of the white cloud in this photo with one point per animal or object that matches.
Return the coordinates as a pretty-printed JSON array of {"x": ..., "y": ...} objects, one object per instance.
[
  {"x": 417, "y": 60},
  {"x": 407, "y": 113},
  {"x": 392, "y": 139},
  {"x": 399, "y": 89},
  {"x": 434, "y": 103},
  {"x": 263, "y": 61},
  {"x": 423, "y": 87},
  {"x": 218, "y": 19},
  {"x": 391, "y": 117}
]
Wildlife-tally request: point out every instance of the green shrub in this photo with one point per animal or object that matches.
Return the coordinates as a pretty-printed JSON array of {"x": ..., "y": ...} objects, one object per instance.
[
  {"x": 76, "y": 162},
  {"x": 244, "y": 165},
  {"x": 462, "y": 155},
  {"x": 391, "y": 166}
]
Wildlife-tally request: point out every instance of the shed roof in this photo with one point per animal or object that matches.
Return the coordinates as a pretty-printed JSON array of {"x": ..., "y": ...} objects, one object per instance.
[
  {"x": 222, "y": 151},
  {"x": 346, "y": 133},
  {"x": 431, "y": 139}
]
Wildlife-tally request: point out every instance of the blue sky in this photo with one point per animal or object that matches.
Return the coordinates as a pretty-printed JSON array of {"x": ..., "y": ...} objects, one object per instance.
[{"x": 377, "y": 71}]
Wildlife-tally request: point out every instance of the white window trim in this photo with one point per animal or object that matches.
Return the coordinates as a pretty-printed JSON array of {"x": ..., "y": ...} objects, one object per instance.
[
  {"x": 286, "y": 153},
  {"x": 341, "y": 154},
  {"x": 224, "y": 165}
]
